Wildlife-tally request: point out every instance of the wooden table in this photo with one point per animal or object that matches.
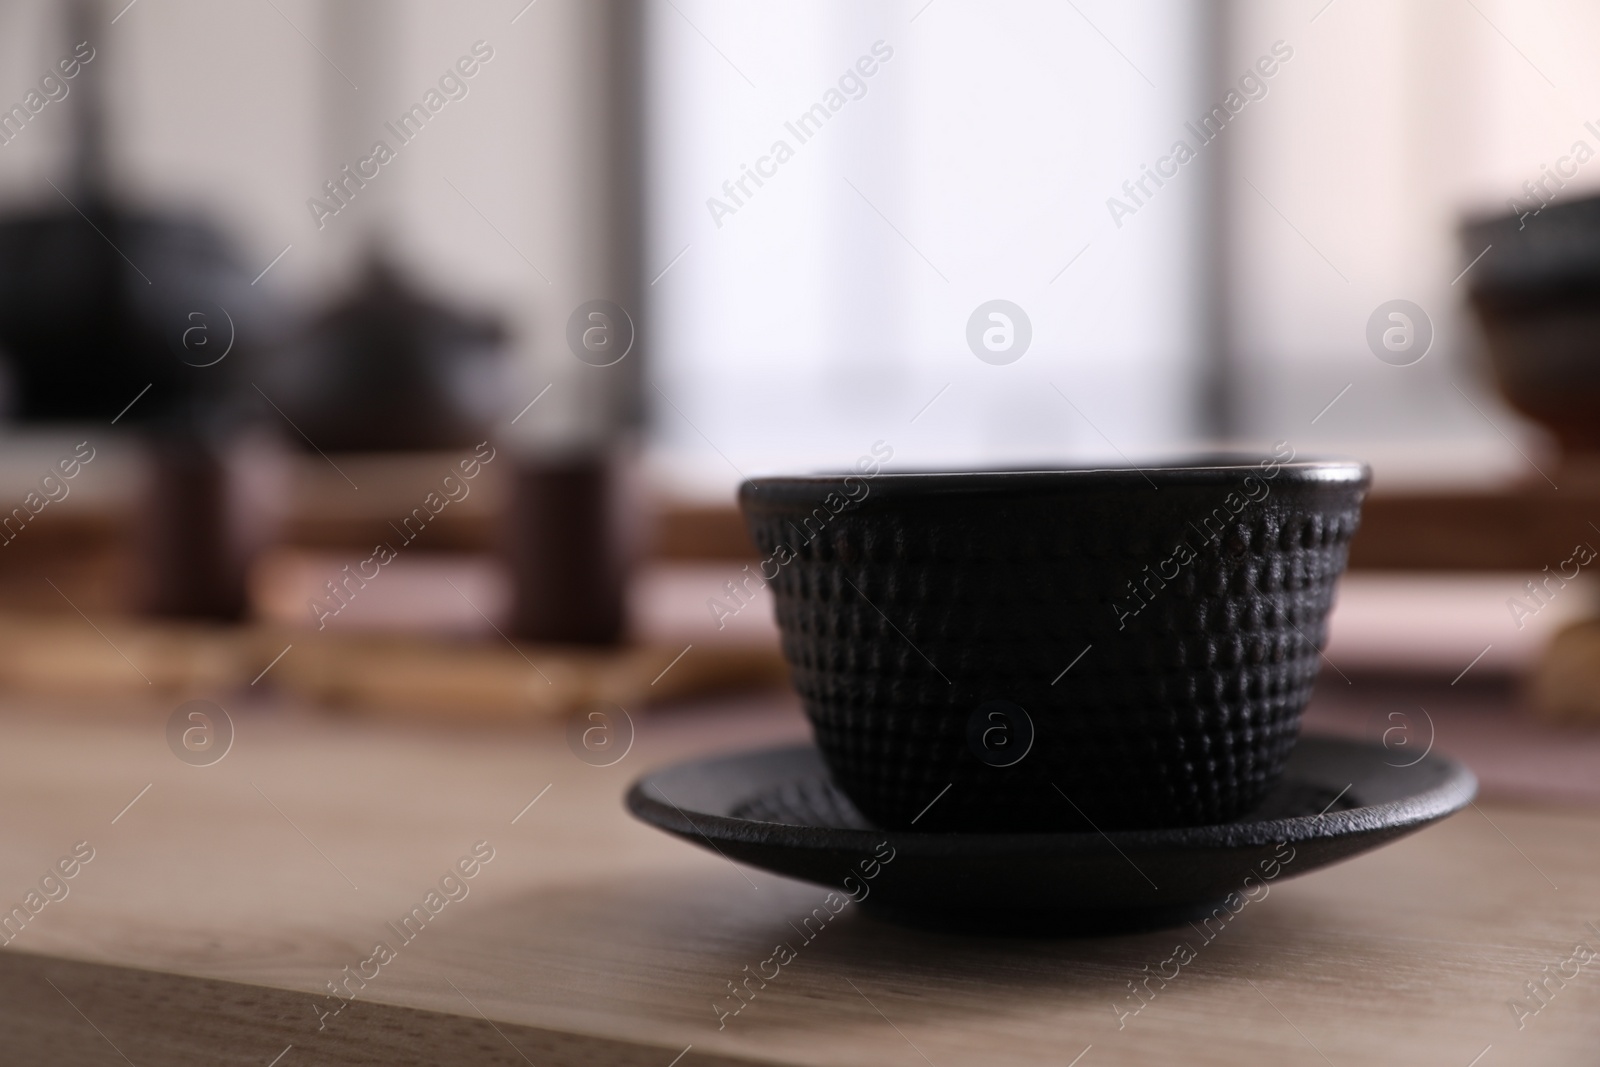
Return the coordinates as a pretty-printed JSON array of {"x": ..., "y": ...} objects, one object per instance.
[{"x": 219, "y": 904}]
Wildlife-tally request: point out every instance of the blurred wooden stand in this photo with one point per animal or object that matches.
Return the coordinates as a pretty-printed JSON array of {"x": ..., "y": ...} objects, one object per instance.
[
  {"x": 1523, "y": 526},
  {"x": 1527, "y": 526},
  {"x": 85, "y": 552},
  {"x": 399, "y": 675},
  {"x": 211, "y": 507},
  {"x": 89, "y": 560},
  {"x": 568, "y": 537}
]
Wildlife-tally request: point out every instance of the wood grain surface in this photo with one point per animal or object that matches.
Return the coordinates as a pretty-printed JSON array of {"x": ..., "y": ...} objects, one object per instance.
[{"x": 219, "y": 905}]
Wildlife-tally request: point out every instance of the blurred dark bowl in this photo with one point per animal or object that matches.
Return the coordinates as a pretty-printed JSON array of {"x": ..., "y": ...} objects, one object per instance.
[
  {"x": 1537, "y": 295},
  {"x": 920, "y": 611}
]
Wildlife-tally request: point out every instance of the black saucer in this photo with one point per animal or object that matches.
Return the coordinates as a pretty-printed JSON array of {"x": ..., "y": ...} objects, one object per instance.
[{"x": 778, "y": 810}]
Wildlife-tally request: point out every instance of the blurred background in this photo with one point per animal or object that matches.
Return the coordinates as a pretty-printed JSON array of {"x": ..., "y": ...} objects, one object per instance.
[{"x": 286, "y": 266}]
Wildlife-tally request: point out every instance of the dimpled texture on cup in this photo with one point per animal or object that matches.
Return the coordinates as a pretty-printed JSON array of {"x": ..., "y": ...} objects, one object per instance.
[{"x": 905, "y": 609}]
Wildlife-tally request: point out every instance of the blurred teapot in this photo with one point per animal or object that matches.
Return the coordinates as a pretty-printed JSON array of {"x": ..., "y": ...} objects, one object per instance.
[{"x": 387, "y": 367}]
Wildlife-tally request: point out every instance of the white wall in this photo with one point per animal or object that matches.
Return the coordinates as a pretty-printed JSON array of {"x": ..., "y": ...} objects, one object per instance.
[
  {"x": 805, "y": 326},
  {"x": 1391, "y": 123}
]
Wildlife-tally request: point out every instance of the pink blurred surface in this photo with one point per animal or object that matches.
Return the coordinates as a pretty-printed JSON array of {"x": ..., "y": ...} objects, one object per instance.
[{"x": 1484, "y": 724}]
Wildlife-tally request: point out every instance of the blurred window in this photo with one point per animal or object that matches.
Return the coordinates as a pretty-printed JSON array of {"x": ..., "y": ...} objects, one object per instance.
[{"x": 836, "y": 188}]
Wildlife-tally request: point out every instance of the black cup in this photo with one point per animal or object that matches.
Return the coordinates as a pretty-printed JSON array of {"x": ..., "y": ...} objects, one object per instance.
[{"x": 1061, "y": 649}]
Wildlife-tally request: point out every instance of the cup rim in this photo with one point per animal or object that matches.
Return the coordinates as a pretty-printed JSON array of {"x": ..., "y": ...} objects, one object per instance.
[{"x": 1198, "y": 471}]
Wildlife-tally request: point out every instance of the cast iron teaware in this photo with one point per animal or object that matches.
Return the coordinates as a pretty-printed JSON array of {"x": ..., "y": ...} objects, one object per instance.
[
  {"x": 1536, "y": 291},
  {"x": 779, "y": 810},
  {"x": 1057, "y": 649}
]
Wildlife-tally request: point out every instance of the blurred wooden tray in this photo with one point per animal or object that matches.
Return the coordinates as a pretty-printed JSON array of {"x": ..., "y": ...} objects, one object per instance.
[
  {"x": 399, "y": 674},
  {"x": 1524, "y": 526}
]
